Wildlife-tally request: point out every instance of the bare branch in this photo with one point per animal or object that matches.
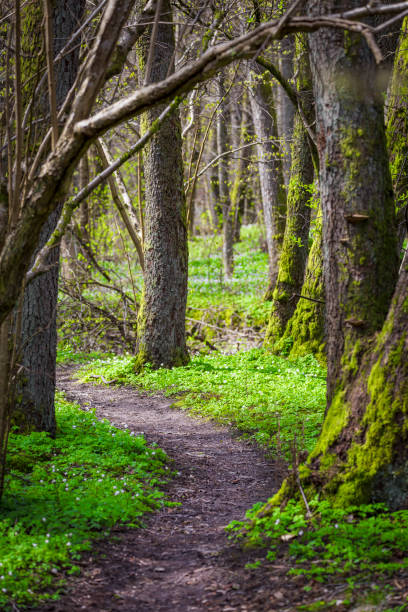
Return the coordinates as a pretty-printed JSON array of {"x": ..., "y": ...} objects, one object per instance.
[{"x": 216, "y": 57}]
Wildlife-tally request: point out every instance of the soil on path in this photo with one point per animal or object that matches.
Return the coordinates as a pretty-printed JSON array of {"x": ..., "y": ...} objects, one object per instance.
[{"x": 182, "y": 561}]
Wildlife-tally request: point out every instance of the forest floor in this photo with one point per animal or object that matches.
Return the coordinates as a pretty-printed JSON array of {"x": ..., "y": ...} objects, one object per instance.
[{"x": 182, "y": 560}]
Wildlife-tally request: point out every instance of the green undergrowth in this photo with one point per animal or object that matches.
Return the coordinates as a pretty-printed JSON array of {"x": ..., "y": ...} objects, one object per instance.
[
  {"x": 62, "y": 493},
  {"x": 67, "y": 354},
  {"x": 241, "y": 295},
  {"x": 268, "y": 398},
  {"x": 352, "y": 544},
  {"x": 214, "y": 307}
]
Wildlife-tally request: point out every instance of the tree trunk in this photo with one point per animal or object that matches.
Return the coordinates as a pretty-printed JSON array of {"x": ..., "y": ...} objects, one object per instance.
[
  {"x": 285, "y": 111},
  {"x": 304, "y": 332},
  {"x": 361, "y": 454},
  {"x": 270, "y": 171},
  {"x": 161, "y": 321},
  {"x": 397, "y": 132},
  {"x": 239, "y": 173},
  {"x": 295, "y": 243},
  {"x": 359, "y": 237},
  {"x": 223, "y": 183},
  {"x": 34, "y": 405}
]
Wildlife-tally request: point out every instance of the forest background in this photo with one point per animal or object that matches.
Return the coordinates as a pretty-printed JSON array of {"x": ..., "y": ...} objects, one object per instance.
[{"x": 269, "y": 142}]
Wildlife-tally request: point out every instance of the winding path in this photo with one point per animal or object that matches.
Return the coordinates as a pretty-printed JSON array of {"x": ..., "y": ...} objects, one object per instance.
[{"x": 182, "y": 561}]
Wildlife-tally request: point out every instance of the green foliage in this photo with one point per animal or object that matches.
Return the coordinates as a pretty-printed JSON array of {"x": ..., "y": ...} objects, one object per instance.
[
  {"x": 269, "y": 398},
  {"x": 352, "y": 542},
  {"x": 244, "y": 293},
  {"x": 67, "y": 354},
  {"x": 85, "y": 318},
  {"x": 61, "y": 493}
]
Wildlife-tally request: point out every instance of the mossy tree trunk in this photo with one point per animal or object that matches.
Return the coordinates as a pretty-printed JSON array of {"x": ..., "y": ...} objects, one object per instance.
[
  {"x": 293, "y": 257},
  {"x": 359, "y": 237},
  {"x": 239, "y": 173},
  {"x": 270, "y": 169},
  {"x": 361, "y": 454},
  {"x": 34, "y": 403},
  {"x": 397, "y": 130},
  {"x": 161, "y": 322},
  {"x": 304, "y": 332}
]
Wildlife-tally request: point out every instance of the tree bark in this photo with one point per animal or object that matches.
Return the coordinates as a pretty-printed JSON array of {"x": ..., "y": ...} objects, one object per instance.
[
  {"x": 293, "y": 257},
  {"x": 223, "y": 185},
  {"x": 359, "y": 236},
  {"x": 240, "y": 174},
  {"x": 397, "y": 131},
  {"x": 304, "y": 332},
  {"x": 270, "y": 171},
  {"x": 161, "y": 321},
  {"x": 361, "y": 454},
  {"x": 34, "y": 403},
  {"x": 285, "y": 111}
]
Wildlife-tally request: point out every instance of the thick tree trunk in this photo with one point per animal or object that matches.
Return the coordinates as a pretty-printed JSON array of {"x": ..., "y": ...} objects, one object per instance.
[
  {"x": 161, "y": 321},
  {"x": 295, "y": 243},
  {"x": 359, "y": 236},
  {"x": 270, "y": 171},
  {"x": 361, "y": 454},
  {"x": 34, "y": 404}
]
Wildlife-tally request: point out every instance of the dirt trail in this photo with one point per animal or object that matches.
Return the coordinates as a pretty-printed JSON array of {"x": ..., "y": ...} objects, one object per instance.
[{"x": 182, "y": 561}]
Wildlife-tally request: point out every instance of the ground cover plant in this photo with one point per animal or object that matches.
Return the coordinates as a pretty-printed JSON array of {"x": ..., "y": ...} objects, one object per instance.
[
  {"x": 323, "y": 543},
  {"x": 268, "y": 398},
  {"x": 102, "y": 314},
  {"x": 62, "y": 493},
  {"x": 240, "y": 297}
]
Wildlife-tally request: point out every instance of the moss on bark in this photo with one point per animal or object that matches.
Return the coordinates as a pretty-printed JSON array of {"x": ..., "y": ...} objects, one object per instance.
[
  {"x": 304, "y": 332},
  {"x": 293, "y": 256}
]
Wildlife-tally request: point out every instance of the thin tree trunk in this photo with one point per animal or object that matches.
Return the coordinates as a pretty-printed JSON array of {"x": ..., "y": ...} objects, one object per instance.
[
  {"x": 161, "y": 321},
  {"x": 295, "y": 243},
  {"x": 270, "y": 172},
  {"x": 285, "y": 111},
  {"x": 213, "y": 185},
  {"x": 239, "y": 174},
  {"x": 223, "y": 184},
  {"x": 304, "y": 332}
]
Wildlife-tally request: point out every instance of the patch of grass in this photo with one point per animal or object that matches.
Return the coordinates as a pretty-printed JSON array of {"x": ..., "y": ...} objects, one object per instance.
[
  {"x": 268, "y": 398},
  {"x": 62, "y": 493},
  {"x": 243, "y": 294},
  {"x": 66, "y": 353},
  {"x": 352, "y": 543}
]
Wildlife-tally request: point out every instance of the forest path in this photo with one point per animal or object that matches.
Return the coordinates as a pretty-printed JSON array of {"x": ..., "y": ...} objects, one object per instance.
[{"x": 182, "y": 561}]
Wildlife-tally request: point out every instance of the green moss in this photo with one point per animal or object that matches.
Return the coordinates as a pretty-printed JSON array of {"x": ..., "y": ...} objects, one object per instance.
[
  {"x": 336, "y": 420},
  {"x": 397, "y": 121},
  {"x": 305, "y": 329},
  {"x": 327, "y": 461}
]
